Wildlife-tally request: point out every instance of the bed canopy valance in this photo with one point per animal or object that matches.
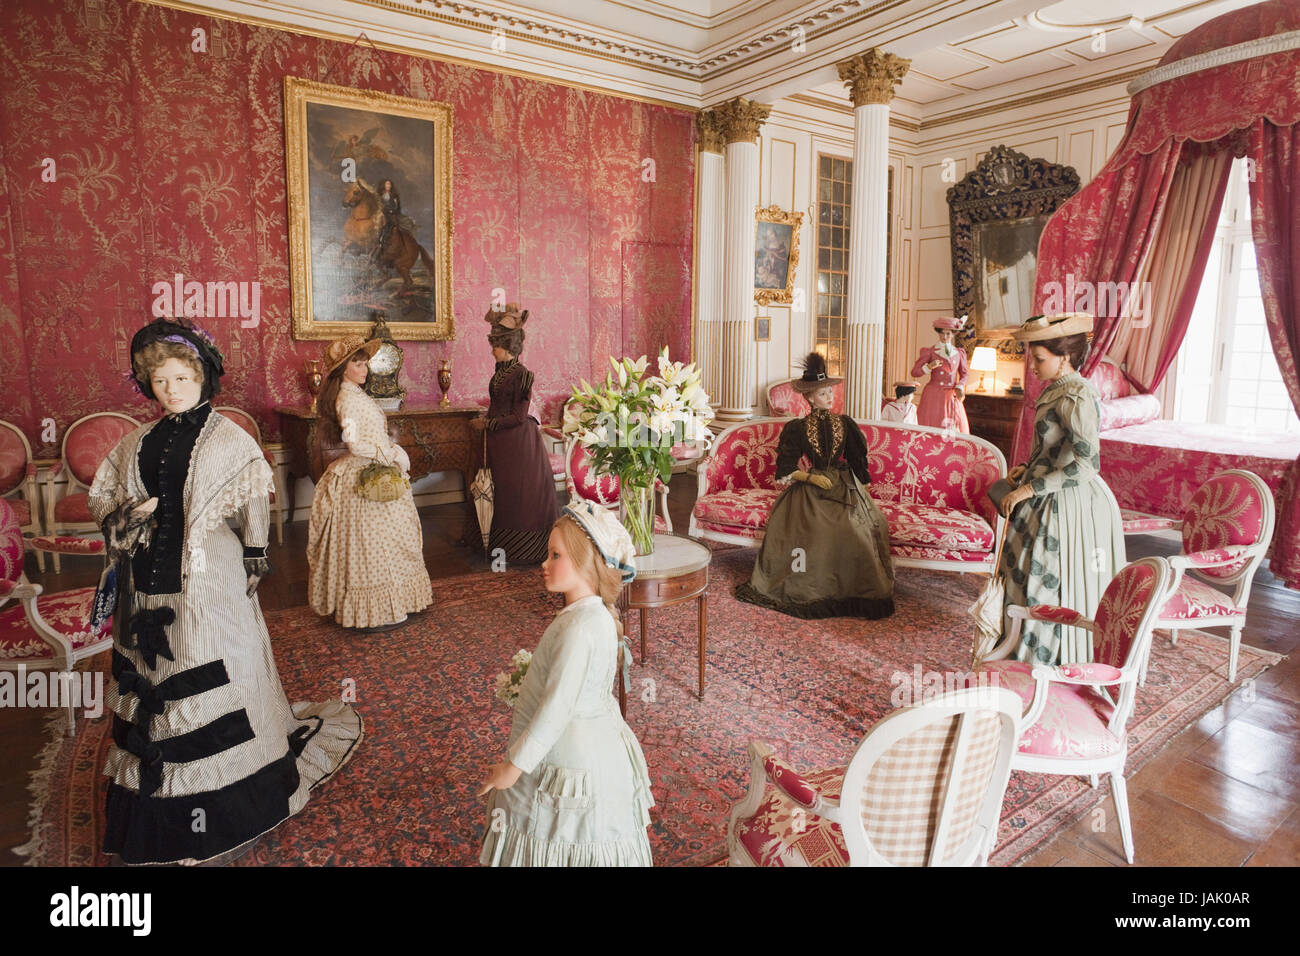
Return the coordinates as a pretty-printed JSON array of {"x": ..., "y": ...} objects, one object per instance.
[{"x": 1229, "y": 88}]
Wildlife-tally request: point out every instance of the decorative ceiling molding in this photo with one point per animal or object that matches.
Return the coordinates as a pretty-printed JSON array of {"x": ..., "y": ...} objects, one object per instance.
[
  {"x": 833, "y": 16},
  {"x": 969, "y": 57}
]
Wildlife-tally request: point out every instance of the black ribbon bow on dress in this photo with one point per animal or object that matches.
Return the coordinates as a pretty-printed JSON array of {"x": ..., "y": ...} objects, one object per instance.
[
  {"x": 151, "y": 760},
  {"x": 133, "y": 682},
  {"x": 147, "y": 635}
]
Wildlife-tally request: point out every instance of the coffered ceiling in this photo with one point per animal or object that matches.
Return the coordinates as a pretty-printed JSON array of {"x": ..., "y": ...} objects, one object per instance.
[{"x": 965, "y": 54}]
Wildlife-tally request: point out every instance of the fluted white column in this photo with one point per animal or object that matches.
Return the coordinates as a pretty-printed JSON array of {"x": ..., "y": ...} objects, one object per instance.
[
  {"x": 871, "y": 78},
  {"x": 741, "y": 120},
  {"x": 709, "y": 245}
]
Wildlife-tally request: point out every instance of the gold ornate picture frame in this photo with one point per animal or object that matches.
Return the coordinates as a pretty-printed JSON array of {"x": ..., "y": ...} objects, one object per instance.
[
  {"x": 776, "y": 255},
  {"x": 370, "y": 227}
]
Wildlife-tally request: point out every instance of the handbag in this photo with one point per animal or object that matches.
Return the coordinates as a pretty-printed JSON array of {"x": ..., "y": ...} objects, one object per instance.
[
  {"x": 999, "y": 490},
  {"x": 987, "y": 609},
  {"x": 382, "y": 482}
]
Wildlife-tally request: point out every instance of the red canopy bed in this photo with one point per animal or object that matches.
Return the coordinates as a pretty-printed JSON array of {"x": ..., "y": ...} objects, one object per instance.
[{"x": 1229, "y": 88}]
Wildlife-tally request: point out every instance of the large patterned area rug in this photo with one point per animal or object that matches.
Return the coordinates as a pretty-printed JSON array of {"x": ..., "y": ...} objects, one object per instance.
[{"x": 812, "y": 688}]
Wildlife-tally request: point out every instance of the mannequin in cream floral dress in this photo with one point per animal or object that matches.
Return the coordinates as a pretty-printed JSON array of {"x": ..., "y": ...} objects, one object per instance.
[{"x": 366, "y": 557}]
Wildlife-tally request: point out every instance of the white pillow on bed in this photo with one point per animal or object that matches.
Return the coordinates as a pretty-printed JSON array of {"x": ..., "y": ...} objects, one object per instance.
[{"x": 1129, "y": 410}]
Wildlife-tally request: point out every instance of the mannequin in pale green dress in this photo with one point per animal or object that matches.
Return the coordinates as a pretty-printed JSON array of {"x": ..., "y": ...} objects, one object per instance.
[{"x": 1065, "y": 538}]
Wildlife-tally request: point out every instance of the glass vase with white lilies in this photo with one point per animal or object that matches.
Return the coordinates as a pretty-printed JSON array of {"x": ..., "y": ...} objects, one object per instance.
[{"x": 629, "y": 426}]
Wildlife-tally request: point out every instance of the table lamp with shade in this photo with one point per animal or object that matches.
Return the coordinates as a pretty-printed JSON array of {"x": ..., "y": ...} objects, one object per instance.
[{"x": 985, "y": 360}]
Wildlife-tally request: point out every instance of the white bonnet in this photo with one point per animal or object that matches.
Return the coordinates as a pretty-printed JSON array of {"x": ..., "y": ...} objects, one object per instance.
[{"x": 607, "y": 533}]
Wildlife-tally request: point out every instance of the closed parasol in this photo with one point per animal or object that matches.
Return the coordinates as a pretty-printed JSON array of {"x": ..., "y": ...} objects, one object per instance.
[{"x": 481, "y": 491}]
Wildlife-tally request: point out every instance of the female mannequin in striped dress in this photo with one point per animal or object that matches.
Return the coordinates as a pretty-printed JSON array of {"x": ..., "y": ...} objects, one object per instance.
[{"x": 208, "y": 753}]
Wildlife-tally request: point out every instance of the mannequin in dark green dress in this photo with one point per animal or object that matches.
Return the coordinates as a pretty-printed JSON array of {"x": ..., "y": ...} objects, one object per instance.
[{"x": 826, "y": 549}]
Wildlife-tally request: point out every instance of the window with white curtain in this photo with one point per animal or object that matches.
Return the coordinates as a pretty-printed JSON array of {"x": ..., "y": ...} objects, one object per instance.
[{"x": 1227, "y": 374}]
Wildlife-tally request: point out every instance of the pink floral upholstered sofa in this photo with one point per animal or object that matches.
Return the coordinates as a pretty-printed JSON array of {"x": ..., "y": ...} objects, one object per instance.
[{"x": 931, "y": 486}]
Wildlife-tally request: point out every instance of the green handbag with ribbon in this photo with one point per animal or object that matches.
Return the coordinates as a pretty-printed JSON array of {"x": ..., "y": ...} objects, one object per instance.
[{"x": 382, "y": 482}]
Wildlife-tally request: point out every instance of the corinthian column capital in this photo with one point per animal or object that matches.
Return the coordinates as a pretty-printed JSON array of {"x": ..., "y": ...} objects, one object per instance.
[
  {"x": 740, "y": 119},
  {"x": 709, "y": 124},
  {"x": 872, "y": 76}
]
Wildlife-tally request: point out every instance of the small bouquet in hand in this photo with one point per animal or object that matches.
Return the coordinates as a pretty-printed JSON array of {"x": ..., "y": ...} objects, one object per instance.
[{"x": 508, "y": 682}]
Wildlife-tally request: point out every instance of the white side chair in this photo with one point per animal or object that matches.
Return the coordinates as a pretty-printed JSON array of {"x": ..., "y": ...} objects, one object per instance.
[
  {"x": 924, "y": 788},
  {"x": 1077, "y": 714}
]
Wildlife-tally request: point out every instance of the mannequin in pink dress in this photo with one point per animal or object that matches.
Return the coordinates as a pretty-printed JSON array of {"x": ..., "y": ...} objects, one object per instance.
[{"x": 941, "y": 402}]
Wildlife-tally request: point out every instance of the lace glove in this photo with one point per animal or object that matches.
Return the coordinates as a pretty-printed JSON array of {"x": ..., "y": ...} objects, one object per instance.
[
  {"x": 256, "y": 566},
  {"x": 124, "y": 528}
]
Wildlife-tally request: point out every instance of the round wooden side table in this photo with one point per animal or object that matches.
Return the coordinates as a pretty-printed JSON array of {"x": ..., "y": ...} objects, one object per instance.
[{"x": 677, "y": 572}]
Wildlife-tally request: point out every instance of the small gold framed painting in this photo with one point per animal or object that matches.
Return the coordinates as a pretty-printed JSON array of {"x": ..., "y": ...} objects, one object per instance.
[
  {"x": 776, "y": 255},
  {"x": 763, "y": 329}
]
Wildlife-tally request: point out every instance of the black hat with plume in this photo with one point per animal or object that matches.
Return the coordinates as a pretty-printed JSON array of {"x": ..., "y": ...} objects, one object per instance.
[{"x": 814, "y": 374}]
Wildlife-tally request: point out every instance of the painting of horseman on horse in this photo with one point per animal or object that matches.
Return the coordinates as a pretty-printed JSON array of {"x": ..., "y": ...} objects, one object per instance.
[{"x": 372, "y": 200}]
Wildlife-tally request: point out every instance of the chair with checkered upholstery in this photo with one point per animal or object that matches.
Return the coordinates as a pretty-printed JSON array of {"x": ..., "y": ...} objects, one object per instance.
[
  {"x": 86, "y": 443},
  {"x": 1076, "y": 714},
  {"x": 924, "y": 788}
]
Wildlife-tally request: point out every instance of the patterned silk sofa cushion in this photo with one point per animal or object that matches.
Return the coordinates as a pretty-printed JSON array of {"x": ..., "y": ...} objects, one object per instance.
[
  {"x": 746, "y": 509},
  {"x": 942, "y": 528}
]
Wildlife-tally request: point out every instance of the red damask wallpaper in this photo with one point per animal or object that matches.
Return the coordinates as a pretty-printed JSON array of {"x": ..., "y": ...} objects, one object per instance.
[{"x": 166, "y": 161}]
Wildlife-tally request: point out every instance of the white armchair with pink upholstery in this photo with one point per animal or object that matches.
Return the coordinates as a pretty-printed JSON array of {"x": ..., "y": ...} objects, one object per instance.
[
  {"x": 1226, "y": 531},
  {"x": 18, "y": 475},
  {"x": 1076, "y": 714},
  {"x": 931, "y": 486},
  {"x": 41, "y": 631},
  {"x": 86, "y": 443},
  {"x": 924, "y": 788}
]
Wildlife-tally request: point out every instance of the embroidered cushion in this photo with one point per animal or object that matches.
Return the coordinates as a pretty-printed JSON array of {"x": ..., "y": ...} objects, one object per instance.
[
  {"x": 931, "y": 527},
  {"x": 67, "y": 612},
  {"x": 746, "y": 509},
  {"x": 913, "y": 466},
  {"x": 67, "y": 544},
  {"x": 1129, "y": 410},
  {"x": 1195, "y": 599},
  {"x": 936, "y": 554},
  {"x": 1073, "y": 723},
  {"x": 778, "y": 836}
]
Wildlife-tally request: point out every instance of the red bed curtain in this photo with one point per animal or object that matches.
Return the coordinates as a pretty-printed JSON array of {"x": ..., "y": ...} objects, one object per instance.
[
  {"x": 1275, "y": 215},
  {"x": 1102, "y": 235}
]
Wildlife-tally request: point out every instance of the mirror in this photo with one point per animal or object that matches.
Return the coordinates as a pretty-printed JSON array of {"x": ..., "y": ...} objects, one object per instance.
[{"x": 996, "y": 215}]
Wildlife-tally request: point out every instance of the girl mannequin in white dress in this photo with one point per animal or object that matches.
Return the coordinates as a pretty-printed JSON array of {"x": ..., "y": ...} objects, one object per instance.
[{"x": 573, "y": 788}]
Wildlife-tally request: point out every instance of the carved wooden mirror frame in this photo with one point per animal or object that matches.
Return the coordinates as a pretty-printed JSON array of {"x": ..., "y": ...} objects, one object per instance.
[{"x": 1006, "y": 186}]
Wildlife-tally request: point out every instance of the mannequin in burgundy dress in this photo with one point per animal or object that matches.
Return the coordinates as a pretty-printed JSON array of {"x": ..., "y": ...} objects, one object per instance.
[{"x": 524, "y": 509}]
